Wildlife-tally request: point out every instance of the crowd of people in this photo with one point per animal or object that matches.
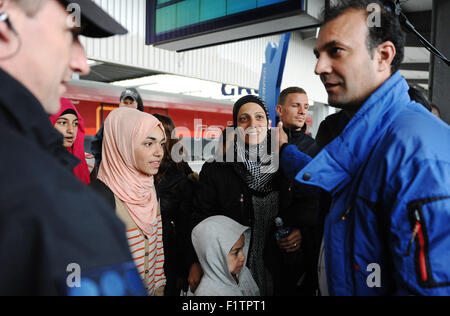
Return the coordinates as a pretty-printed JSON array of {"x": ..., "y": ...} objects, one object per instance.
[{"x": 365, "y": 204}]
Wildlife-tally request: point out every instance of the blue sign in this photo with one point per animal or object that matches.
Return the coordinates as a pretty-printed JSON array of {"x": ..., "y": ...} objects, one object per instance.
[
  {"x": 272, "y": 74},
  {"x": 232, "y": 91}
]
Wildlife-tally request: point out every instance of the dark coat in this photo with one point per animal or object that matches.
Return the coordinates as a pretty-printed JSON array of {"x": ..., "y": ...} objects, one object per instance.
[
  {"x": 222, "y": 191},
  {"x": 96, "y": 151},
  {"x": 303, "y": 141},
  {"x": 48, "y": 218},
  {"x": 330, "y": 128},
  {"x": 301, "y": 210},
  {"x": 175, "y": 192}
]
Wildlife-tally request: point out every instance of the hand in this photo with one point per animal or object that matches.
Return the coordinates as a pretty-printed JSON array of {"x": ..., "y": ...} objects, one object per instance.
[
  {"x": 230, "y": 139},
  {"x": 282, "y": 136},
  {"x": 222, "y": 148},
  {"x": 291, "y": 243},
  {"x": 195, "y": 276}
]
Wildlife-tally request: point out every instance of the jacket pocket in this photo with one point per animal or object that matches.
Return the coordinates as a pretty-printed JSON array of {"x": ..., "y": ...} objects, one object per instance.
[{"x": 428, "y": 219}]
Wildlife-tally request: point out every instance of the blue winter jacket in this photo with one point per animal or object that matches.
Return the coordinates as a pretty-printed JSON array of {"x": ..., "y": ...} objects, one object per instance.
[{"x": 388, "y": 229}]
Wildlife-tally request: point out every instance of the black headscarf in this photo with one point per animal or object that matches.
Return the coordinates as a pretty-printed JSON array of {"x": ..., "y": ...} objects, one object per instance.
[
  {"x": 251, "y": 171},
  {"x": 69, "y": 111},
  {"x": 248, "y": 99}
]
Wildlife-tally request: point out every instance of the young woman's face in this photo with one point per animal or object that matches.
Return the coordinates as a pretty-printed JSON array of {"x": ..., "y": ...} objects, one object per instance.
[
  {"x": 150, "y": 152},
  {"x": 236, "y": 257},
  {"x": 252, "y": 119},
  {"x": 67, "y": 125}
]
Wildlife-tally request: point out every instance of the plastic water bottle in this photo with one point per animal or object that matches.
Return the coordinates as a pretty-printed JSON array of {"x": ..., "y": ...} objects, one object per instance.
[{"x": 281, "y": 231}]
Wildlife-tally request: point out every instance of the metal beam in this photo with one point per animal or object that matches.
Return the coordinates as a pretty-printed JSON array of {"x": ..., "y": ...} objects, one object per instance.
[
  {"x": 415, "y": 66},
  {"x": 417, "y": 81},
  {"x": 422, "y": 23},
  {"x": 440, "y": 72},
  {"x": 111, "y": 72}
]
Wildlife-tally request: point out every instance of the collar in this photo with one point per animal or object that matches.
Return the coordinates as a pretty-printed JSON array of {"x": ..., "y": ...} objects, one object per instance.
[
  {"x": 293, "y": 133},
  {"x": 340, "y": 161},
  {"x": 24, "y": 113}
]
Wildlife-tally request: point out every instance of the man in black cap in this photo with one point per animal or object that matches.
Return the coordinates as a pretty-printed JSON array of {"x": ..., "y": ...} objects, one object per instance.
[
  {"x": 49, "y": 221},
  {"x": 131, "y": 98}
]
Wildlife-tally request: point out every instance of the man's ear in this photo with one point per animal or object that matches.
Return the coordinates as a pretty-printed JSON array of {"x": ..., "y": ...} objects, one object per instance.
[
  {"x": 279, "y": 108},
  {"x": 385, "y": 56}
]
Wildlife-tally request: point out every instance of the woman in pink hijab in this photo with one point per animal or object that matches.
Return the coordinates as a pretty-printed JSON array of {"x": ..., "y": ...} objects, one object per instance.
[
  {"x": 70, "y": 123},
  {"x": 133, "y": 147}
]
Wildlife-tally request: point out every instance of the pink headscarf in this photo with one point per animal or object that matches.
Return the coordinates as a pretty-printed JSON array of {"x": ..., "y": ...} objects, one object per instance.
[
  {"x": 124, "y": 130},
  {"x": 81, "y": 171}
]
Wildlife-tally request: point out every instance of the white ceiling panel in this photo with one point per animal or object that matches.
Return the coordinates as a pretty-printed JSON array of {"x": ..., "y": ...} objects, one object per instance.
[{"x": 416, "y": 55}]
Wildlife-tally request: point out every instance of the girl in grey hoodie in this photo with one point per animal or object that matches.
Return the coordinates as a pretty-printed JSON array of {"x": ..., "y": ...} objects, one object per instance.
[{"x": 222, "y": 246}]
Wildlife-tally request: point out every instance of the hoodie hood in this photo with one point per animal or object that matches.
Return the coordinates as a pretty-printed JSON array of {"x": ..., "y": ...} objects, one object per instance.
[{"x": 213, "y": 239}]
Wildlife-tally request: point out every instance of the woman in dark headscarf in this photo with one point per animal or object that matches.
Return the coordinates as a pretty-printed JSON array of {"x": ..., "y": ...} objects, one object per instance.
[
  {"x": 70, "y": 123},
  {"x": 242, "y": 185}
]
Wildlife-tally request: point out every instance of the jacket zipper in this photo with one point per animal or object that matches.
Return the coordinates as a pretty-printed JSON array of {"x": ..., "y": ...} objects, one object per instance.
[
  {"x": 418, "y": 233},
  {"x": 346, "y": 213}
]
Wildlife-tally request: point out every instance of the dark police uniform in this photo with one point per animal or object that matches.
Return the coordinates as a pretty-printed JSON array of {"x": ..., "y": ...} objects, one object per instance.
[{"x": 48, "y": 218}]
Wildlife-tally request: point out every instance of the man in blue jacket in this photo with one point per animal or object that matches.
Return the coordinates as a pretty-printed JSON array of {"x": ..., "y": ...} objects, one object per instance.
[
  {"x": 54, "y": 231},
  {"x": 388, "y": 172}
]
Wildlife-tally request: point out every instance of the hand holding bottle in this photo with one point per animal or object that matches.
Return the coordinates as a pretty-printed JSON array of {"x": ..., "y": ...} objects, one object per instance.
[{"x": 287, "y": 239}]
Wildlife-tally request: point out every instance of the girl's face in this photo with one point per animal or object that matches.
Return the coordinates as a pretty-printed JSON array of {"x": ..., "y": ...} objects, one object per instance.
[
  {"x": 236, "y": 257},
  {"x": 67, "y": 125},
  {"x": 150, "y": 152},
  {"x": 252, "y": 119}
]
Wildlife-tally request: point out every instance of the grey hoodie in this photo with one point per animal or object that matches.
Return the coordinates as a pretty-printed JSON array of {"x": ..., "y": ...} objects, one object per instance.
[{"x": 213, "y": 239}]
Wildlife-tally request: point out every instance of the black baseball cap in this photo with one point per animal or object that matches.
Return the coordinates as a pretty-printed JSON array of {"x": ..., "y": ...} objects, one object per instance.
[
  {"x": 128, "y": 93},
  {"x": 95, "y": 21}
]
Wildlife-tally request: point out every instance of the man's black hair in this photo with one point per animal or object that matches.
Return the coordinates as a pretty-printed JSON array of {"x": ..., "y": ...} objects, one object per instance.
[
  {"x": 419, "y": 97},
  {"x": 389, "y": 29}
]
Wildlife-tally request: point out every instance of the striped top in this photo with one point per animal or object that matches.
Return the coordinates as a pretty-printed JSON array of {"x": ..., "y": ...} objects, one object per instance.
[
  {"x": 147, "y": 251},
  {"x": 90, "y": 161}
]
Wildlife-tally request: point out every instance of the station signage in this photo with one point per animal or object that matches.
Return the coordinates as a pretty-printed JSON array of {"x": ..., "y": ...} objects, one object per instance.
[{"x": 173, "y": 20}]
